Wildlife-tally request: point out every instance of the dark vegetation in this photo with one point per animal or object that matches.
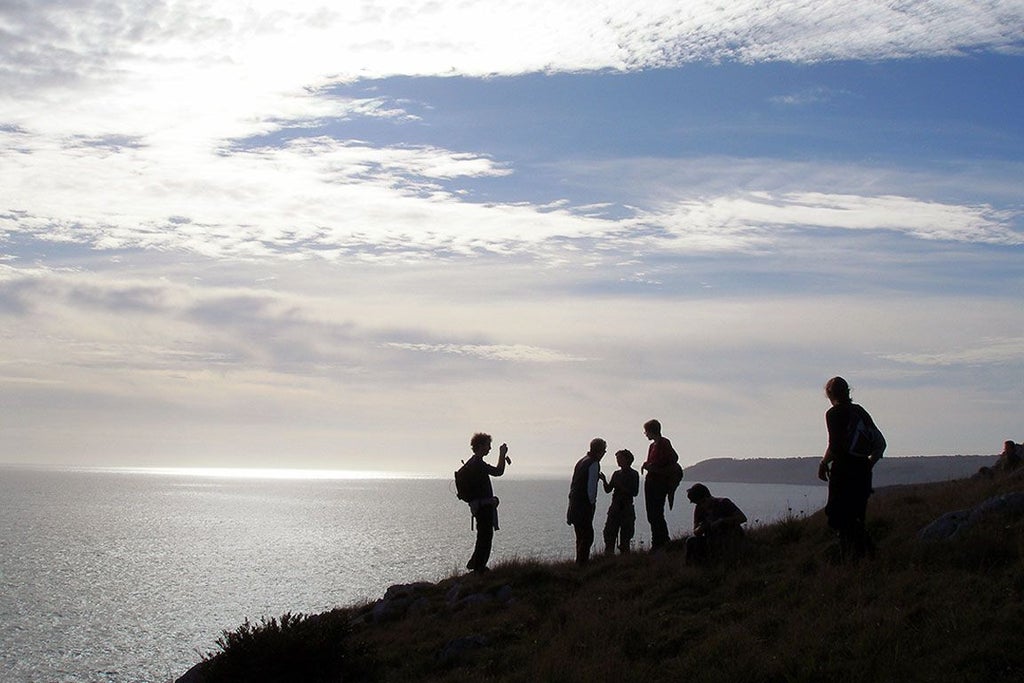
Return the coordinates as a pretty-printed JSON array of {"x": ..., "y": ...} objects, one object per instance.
[{"x": 782, "y": 610}]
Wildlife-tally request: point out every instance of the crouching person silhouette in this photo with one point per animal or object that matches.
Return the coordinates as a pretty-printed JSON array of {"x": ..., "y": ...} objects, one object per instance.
[{"x": 717, "y": 525}]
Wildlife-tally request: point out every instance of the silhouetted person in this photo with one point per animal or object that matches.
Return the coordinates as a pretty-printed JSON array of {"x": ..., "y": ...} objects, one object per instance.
[
  {"x": 717, "y": 525},
  {"x": 583, "y": 498},
  {"x": 662, "y": 467},
  {"x": 854, "y": 446},
  {"x": 1009, "y": 459},
  {"x": 624, "y": 487},
  {"x": 483, "y": 504}
]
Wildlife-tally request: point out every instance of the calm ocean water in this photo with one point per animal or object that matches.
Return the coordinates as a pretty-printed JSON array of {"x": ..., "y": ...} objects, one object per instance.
[{"x": 129, "y": 577}]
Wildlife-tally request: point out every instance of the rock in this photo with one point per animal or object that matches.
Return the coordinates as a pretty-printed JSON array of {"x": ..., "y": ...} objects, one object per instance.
[
  {"x": 1009, "y": 503},
  {"x": 193, "y": 675},
  {"x": 504, "y": 594},
  {"x": 473, "y": 599},
  {"x": 405, "y": 590},
  {"x": 385, "y": 610},
  {"x": 398, "y": 600},
  {"x": 952, "y": 523},
  {"x": 419, "y": 606},
  {"x": 457, "y": 647},
  {"x": 945, "y": 526},
  {"x": 452, "y": 596}
]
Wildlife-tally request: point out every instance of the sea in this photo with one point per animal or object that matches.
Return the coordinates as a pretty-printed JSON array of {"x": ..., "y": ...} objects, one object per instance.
[{"x": 130, "y": 576}]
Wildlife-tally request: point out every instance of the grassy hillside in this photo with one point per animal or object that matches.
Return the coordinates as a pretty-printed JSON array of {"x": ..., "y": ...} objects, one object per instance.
[{"x": 783, "y": 610}]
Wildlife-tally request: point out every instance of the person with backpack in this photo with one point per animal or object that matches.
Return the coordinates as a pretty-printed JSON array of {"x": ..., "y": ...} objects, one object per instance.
[
  {"x": 473, "y": 485},
  {"x": 663, "y": 476},
  {"x": 855, "y": 445},
  {"x": 583, "y": 498}
]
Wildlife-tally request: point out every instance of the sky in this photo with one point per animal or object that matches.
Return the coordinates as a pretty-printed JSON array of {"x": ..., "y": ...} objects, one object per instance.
[{"x": 349, "y": 236}]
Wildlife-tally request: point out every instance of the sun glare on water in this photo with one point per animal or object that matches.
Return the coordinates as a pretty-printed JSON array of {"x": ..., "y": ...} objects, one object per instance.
[{"x": 266, "y": 473}]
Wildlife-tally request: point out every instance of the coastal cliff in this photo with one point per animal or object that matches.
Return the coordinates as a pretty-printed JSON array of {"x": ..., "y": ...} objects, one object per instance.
[{"x": 942, "y": 600}]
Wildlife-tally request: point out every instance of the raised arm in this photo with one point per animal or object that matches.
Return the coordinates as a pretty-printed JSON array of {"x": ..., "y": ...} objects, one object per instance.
[{"x": 503, "y": 459}]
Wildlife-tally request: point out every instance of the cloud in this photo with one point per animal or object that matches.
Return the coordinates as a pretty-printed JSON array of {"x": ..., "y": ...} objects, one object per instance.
[
  {"x": 134, "y": 68},
  {"x": 810, "y": 31},
  {"x": 195, "y": 360},
  {"x": 808, "y": 96},
  {"x": 750, "y": 220},
  {"x": 989, "y": 351},
  {"x": 334, "y": 199},
  {"x": 51, "y": 41},
  {"x": 653, "y": 181},
  {"x": 518, "y": 353},
  {"x": 127, "y": 327},
  {"x": 195, "y": 126},
  {"x": 318, "y": 197}
]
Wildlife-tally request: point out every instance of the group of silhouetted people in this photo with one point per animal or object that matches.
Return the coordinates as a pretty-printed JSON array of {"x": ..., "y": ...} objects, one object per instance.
[
  {"x": 855, "y": 445},
  {"x": 663, "y": 474}
]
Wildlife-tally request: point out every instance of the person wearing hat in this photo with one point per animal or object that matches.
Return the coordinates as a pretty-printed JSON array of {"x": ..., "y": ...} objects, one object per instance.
[{"x": 717, "y": 524}]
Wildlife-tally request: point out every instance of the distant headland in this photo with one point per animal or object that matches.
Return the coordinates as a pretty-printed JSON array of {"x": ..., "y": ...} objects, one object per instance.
[{"x": 890, "y": 471}]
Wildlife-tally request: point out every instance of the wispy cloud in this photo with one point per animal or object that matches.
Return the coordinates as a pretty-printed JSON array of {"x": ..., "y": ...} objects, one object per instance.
[
  {"x": 426, "y": 37},
  {"x": 808, "y": 96},
  {"x": 750, "y": 220},
  {"x": 509, "y": 353},
  {"x": 221, "y": 70},
  {"x": 989, "y": 351},
  {"x": 811, "y": 31}
]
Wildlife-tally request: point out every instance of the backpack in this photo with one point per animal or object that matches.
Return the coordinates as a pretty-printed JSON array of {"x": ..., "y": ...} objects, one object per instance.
[
  {"x": 672, "y": 477},
  {"x": 865, "y": 438},
  {"x": 468, "y": 483}
]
